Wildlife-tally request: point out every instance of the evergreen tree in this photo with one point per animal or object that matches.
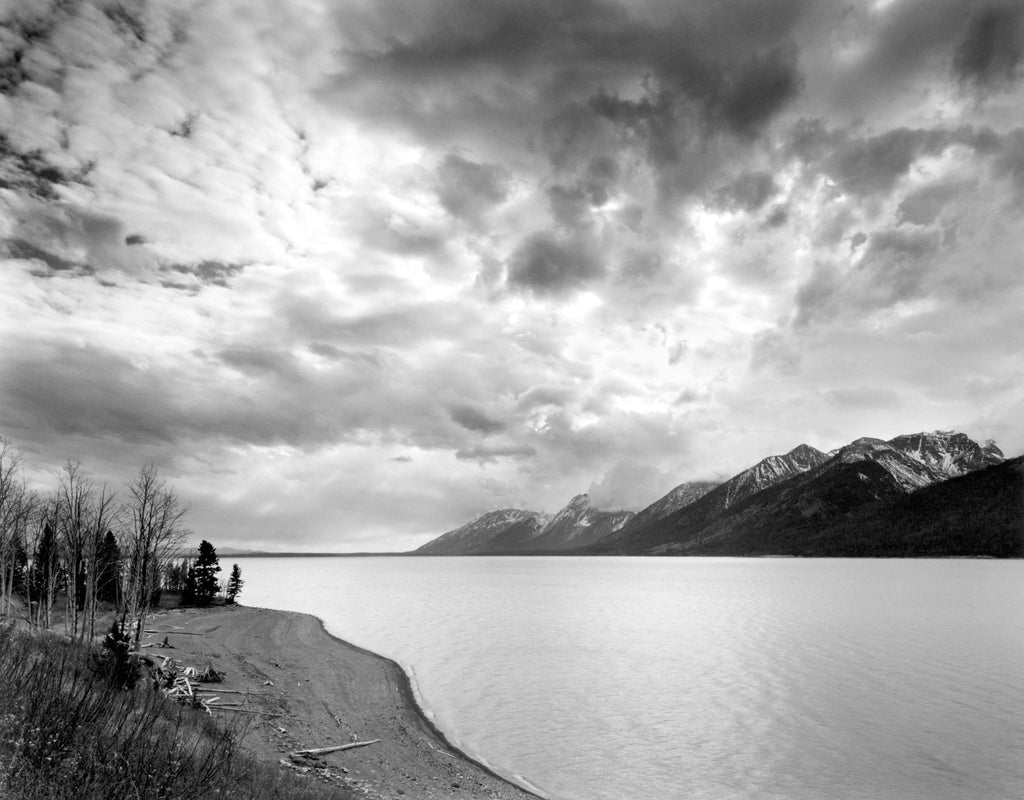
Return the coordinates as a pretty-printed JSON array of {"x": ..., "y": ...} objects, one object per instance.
[
  {"x": 45, "y": 569},
  {"x": 206, "y": 568},
  {"x": 188, "y": 594},
  {"x": 108, "y": 570},
  {"x": 20, "y": 576},
  {"x": 235, "y": 583}
]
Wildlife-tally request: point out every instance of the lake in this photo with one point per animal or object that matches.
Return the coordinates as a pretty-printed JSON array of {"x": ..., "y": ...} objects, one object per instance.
[{"x": 717, "y": 678}]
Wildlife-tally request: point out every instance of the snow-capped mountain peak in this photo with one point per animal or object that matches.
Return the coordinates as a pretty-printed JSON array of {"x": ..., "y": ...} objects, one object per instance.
[
  {"x": 770, "y": 471},
  {"x": 916, "y": 460}
]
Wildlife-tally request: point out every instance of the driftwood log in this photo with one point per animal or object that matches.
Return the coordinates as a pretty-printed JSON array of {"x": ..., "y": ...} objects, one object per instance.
[
  {"x": 322, "y": 751},
  {"x": 215, "y": 706}
]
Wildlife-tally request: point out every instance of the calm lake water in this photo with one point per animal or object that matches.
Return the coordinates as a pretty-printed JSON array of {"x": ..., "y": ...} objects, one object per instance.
[{"x": 665, "y": 679}]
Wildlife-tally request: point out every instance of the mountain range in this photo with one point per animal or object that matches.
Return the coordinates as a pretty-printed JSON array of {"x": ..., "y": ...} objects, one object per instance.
[{"x": 871, "y": 497}]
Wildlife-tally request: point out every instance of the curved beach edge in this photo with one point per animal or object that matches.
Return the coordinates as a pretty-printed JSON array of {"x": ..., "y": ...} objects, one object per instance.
[
  {"x": 309, "y": 688},
  {"x": 409, "y": 696}
]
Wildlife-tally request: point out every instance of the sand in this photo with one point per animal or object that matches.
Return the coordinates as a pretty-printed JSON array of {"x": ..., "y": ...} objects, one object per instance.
[{"x": 328, "y": 692}]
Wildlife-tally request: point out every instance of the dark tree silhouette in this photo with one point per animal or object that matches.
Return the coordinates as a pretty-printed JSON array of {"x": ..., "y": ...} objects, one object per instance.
[
  {"x": 205, "y": 573},
  {"x": 108, "y": 570},
  {"x": 235, "y": 583},
  {"x": 45, "y": 568}
]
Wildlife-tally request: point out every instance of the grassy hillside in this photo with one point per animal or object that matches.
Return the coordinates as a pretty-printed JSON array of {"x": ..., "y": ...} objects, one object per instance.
[{"x": 69, "y": 729}]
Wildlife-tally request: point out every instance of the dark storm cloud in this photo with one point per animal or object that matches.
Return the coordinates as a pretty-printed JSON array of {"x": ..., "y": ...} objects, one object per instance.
[
  {"x": 547, "y": 264},
  {"x": 599, "y": 179},
  {"x": 569, "y": 205},
  {"x": 272, "y": 397},
  {"x": 872, "y": 165},
  {"x": 473, "y": 419},
  {"x": 757, "y": 90},
  {"x": 990, "y": 53},
  {"x": 466, "y": 188},
  {"x": 894, "y": 267},
  {"x": 72, "y": 233},
  {"x": 255, "y": 361},
  {"x": 30, "y": 172},
  {"x": 923, "y": 205},
  {"x": 748, "y": 192},
  {"x": 896, "y": 48},
  {"x": 20, "y": 249},
  {"x": 496, "y": 60},
  {"x": 216, "y": 273},
  {"x": 1010, "y": 162},
  {"x": 88, "y": 391},
  {"x": 816, "y": 293}
]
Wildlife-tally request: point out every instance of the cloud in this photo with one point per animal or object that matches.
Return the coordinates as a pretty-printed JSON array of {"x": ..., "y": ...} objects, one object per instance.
[
  {"x": 472, "y": 419},
  {"x": 539, "y": 396},
  {"x": 579, "y": 243},
  {"x": 895, "y": 266},
  {"x": 990, "y": 53},
  {"x": 772, "y": 352},
  {"x": 630, "y": 486},
  {"x": 467, "y": 189},
  {"x": 490, "y": 453},
  {"x": 748, "y": 192},
  {"x": 874, "y": 164},
  {"x": 208, "y": 272},
  {"x": 923, "y": 205},
  {"x": 547, "y": 264},
  {"x": 1010, "y": 162},
  {"x": 29, "y": 171},
  {"x": 758, "y": 90},
  {"x": 863, "y": 397},
  {"x": 20, "y": 249}
]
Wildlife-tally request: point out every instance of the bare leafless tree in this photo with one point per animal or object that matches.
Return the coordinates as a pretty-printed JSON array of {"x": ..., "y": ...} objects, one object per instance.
[
  {"x": 73, "y": 507},
  {"x": 152, "y": 532},
  {"x": 17, "y": 508}
]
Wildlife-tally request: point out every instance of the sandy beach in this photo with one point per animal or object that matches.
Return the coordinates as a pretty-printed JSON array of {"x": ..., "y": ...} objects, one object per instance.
[{"x": 319, "y": 691}]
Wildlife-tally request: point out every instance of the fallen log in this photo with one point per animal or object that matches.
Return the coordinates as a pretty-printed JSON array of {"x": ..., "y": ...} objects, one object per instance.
[
  {"x": 183, "y": 633},
  {"x": 320, "y": 751},
  {"x": 215, "y": 706}
]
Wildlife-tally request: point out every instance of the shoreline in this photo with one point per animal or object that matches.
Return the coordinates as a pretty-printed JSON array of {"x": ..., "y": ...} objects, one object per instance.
[
  {"x": 324, "y": 691},
  {"x": 409, "y": 694}
]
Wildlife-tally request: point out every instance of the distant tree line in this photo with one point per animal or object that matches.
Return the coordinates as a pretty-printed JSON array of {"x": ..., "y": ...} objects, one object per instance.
[{"x": 85, "y": 550}]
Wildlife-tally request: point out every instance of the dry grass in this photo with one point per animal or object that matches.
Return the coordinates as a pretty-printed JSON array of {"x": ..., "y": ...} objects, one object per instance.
[{"x": 67, "y": 730}]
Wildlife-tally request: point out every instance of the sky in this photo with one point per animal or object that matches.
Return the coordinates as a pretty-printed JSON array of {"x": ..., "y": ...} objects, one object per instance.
[{"x": 352, "y": 273}]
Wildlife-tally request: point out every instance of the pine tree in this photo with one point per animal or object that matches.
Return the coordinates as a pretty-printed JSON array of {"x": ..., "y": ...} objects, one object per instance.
[
  {"x": 20, "y": 573},
  {"x": 206, "y": 568},
  {"x": 108, "y": 570},
  {"x": 188, "y": 594},
  {"x": 235, "y": 583},
  {"x": 45, "y": 569}
]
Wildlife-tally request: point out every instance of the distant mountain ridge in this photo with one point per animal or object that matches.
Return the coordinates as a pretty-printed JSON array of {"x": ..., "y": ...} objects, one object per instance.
[
  {"x": 802, "y": 489},
  {"x": 648, "y": 529},
  {"x": 482, "y": 533},
  {"x": 776, "y": 506},
  {"x": 512, "y": 530}
]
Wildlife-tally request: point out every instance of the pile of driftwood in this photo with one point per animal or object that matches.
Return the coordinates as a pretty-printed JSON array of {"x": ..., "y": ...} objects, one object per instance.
[{"x": 182, "y": 683}]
